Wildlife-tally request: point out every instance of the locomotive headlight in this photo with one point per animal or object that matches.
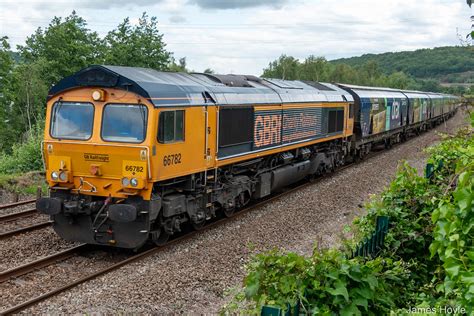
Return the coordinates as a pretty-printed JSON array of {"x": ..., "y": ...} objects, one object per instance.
[
  {"x": 125, "y": 182},
  {"x": 55, "y": 175},
  {"x": 134, "y": 182},
  {"x": 98, "y": 95},
  {"x": 63, "y": 176}
]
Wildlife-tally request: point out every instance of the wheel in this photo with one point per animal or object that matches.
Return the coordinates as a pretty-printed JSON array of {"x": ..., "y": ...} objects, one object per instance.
[
  {"x": 198, "y": 225},
  {"x": 229, "y": 212},
  {"x": 160, "y": 237}
]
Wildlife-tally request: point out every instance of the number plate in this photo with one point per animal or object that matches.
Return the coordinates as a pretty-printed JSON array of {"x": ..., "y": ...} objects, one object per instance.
[{"x": 134, "y": 169}]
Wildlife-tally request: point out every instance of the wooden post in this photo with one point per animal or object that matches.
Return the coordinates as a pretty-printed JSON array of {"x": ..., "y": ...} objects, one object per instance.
[{"x": 38, "y": 192}]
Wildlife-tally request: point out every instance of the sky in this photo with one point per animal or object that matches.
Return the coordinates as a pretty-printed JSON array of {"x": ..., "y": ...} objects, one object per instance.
[{"x": 244, "y": 36}]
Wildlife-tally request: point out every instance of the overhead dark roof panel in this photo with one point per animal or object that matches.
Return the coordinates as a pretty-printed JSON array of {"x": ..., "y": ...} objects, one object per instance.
[
  {"x": 183, "y": 89},
  {"x": 318, "y": 85}
]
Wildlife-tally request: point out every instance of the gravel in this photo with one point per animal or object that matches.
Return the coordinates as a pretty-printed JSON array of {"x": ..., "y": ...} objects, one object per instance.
[
  {"x": 25, "y": 287},
  {"x": 193, "y": 276},
  {"x": 23, "y": 222},
  {"x": 20, "y": 249},
  {"x": 16, "y": 209}
]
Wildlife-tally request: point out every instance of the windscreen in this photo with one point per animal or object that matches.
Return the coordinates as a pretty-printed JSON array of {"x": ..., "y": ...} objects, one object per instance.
[
  {"x": 72, "y": 120},
  {"x": 124, "y": 123}
]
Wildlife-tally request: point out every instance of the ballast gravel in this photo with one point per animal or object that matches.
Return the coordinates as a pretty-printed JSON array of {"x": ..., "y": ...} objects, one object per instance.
[{"x": 193, "y": 276}]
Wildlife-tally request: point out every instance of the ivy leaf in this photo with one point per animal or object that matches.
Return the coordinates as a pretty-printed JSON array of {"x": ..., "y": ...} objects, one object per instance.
[
  {"x": 340, "y": 289},
  {"x": 361, "y": 302},
  {"x": 452, "y": 268},
  {"x": 364, "y": 292},
  {"x": 468, "y": 278},
  {"x": 433, "y": 248},
  {"x": 350, "y": 310},
  {"x": 372, "y": 281}
]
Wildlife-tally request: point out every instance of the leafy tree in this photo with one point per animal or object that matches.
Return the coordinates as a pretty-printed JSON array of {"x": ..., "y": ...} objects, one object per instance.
[
  {"x": 66, "y": 45},
  {"x": 315, "y": 69},
  {"x": 139, "y": 46},
  {"x": 399, "y": 80},
  {"x": 344, "y": 74},
  {"x": 430, "y": 85},
  {"x": 6, "y": 67},
  {"x": 285, "y": 67}
]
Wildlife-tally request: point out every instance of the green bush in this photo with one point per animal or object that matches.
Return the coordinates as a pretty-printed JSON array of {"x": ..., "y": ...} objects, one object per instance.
[{"x": 25, "y": 156}]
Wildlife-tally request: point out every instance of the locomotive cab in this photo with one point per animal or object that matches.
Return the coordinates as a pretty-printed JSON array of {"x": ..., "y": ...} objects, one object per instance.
[{"x": 97, "y": 151}]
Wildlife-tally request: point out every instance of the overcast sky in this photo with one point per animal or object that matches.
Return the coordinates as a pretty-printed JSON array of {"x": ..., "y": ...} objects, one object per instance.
[{"x": 243, "y": 36}]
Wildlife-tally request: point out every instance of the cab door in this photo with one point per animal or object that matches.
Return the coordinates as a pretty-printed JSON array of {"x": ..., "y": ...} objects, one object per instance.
[{"x": 181, "y": 142}]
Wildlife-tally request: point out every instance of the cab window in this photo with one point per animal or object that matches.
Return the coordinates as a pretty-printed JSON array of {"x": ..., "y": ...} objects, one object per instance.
[
  {"x": 72, "y": 120},
  {"x": 124, "y": 123},
  {"x": 171, "y": 126}
]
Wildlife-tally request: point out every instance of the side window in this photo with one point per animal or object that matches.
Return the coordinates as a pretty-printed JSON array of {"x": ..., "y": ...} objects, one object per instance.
[{"x": 171, "y": 126}]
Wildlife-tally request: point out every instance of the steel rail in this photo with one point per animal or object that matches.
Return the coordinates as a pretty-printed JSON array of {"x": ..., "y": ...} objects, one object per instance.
[
  {"x": 4, "y": 206},
  {"x": 16, "y": 215},
  {"x": 40, "y": 263},
  {"x": 24, "y": 229}
]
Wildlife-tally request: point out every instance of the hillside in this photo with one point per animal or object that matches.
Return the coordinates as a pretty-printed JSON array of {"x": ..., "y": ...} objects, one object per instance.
[{"x": 446, "y": 64}]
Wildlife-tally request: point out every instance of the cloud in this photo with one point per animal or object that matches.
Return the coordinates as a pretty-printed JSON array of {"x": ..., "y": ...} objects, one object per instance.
[
  {"x": 176, "y": 19},
  {"x": 109, "y": 4},
  {"x": 237, "y": 4}
]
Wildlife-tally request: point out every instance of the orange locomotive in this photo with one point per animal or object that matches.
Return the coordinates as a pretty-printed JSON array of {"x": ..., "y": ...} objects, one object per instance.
[{"x": 133, "y": 154}]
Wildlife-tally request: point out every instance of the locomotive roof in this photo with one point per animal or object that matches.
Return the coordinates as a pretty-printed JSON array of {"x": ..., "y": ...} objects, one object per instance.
[
  {"x": 374, "y": 92},
  {"x": 183, "y": 89}
]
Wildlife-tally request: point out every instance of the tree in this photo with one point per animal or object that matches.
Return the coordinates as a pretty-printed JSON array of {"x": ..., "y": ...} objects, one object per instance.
[
  {"x": 6, "y": 68},
  {"x": 138, "y": 46},
  {"x": 430, "y": 85},
  {"x": 65, "y": 46},
  {"x": 398, "y": 80},
  {"x": 315, "y": 69},
  {"x": 285, "y": 67}
]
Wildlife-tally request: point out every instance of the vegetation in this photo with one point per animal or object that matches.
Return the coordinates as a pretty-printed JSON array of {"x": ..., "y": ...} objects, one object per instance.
[
  {"x": 426, "y": 63},
  {"x": 369, "y": 71},
  {"x": 428, "y": 261}
]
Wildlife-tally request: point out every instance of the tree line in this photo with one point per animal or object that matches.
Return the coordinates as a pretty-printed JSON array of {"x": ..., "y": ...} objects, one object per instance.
[
  {"x": 368, "y": 73},
  {"x": 439, "y": 62}
]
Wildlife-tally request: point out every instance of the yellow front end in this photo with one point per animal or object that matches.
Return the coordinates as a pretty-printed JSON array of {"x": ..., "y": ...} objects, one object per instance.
[
  {"x": 97, "y": 149},
  {"x": 95, "y": 166}
]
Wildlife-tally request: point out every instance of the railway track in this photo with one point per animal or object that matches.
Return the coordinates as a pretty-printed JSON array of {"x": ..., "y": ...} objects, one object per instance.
[
  {"x": 16, "y": 216},
  {"x": 38, "y": 264},
  {"x": 25, "y": 229},
  {"x": 9, "y": 205}
]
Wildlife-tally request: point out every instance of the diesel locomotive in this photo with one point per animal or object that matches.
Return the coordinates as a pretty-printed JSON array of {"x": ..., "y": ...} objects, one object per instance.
[{"x": 133, "y": 154}]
